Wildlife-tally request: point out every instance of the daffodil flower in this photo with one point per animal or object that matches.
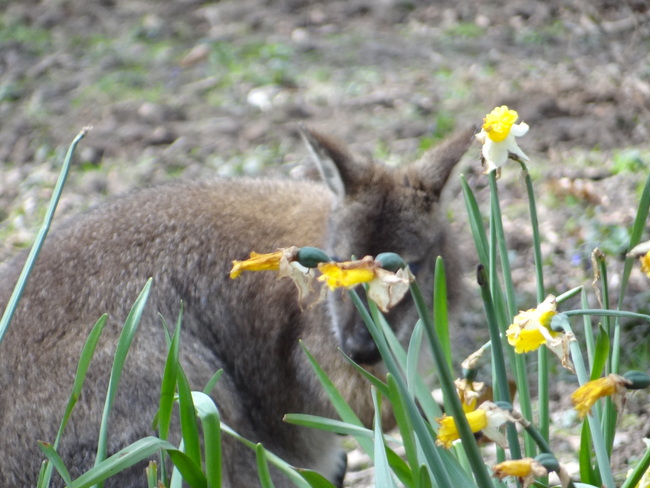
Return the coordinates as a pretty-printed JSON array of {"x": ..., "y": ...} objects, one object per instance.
[
  {"x": 642, "y": 251},
  {"x": 498, "y": 137},
  {"x": 469, "y": 393},
  {"x": 263, "y": 262},
  {"x": 588, "y": 394},
  {"x": 385, "y": 288},
  {"x": 487, "y": 418},
  {"x": 285, "y": 262},
  {"x": 526, "y": 470},
  {"x": 532, "y": 328},
  {"x": 347, "y": 273}
]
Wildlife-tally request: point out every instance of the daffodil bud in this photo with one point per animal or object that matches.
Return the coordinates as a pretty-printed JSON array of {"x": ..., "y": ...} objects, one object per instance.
[
  {"x": 311, "y": 257},
  {"x": 390, "y": 261},
  {"x": 638, "y": 380}
]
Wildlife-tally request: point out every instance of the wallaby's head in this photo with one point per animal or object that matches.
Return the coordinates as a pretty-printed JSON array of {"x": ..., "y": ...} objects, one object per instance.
[{"x": 380, "y": 209}]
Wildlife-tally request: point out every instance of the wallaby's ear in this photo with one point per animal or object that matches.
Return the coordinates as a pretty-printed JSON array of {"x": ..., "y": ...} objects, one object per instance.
[
  {"x": 342, "y": 173},
  {"x": 432, "y": 170}
]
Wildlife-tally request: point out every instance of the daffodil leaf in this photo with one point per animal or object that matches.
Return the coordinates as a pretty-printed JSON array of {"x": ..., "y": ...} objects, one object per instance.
[{"x": 601, "y": 353}]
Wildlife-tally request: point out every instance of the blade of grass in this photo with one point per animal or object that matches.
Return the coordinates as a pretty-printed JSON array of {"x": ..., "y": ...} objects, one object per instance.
[
  {"x": 54, "y": 460},
  {"x": 82, "y": 368},
  {"x": 211, "y": 423},
  {"x": 329, "y": 425},
  {"x": 263, "y": 467},
  {"x": 40, "y": 237},
  {"x": 189, "y": 423},
  {"x": 383, "y": 476},
  {"x": 118, "y": 462},
  {"x": 123, "y": 345}
]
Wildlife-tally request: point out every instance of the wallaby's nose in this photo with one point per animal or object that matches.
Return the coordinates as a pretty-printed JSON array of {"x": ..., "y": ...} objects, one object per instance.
[{"x": 360, "y": 346}]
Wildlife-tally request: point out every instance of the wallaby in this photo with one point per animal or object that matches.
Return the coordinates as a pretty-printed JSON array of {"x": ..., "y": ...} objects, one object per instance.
[{"x": 186, "y": 235}]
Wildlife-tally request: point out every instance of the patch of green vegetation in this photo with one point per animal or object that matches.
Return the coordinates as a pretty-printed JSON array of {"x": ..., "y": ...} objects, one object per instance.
[
  {"x": 465, "y": 30},
  {"x": 544, "y": 34},
  {"x": 36, "y": 40},
  {"x": 254, "y": 62},
  {"x": 444, "y": 124},
  {"x": 629, "y": 161}
]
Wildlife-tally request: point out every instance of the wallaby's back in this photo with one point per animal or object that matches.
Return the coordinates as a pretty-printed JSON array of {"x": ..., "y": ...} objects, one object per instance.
[{"x": 186, "y": 236}]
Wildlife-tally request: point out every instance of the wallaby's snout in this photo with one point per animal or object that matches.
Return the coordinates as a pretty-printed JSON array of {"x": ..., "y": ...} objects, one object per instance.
[{"x": 360, "y": 346}]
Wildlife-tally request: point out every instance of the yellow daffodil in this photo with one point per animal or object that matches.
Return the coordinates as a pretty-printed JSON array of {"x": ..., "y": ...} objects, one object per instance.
[
  {"x": 645, "y": 263},
  {"x": 385, "y": 288},
  {"x": 469, "y": 393},
  {"x": 498, "y": 137},
  {"x": 348, "y": 273},
  {"x": 586, "y": 396},
  {"x": 263, "y": 262},
  {"x": 642, "y": 252},
  {"x": 487, "y": 418},
  {"x": 532, "y": 328},
  {"x": 526, "y": 470},
  {"x": 448, "y": 431}
]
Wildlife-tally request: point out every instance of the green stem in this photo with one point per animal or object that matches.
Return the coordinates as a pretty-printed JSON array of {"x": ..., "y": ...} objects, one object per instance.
[
  {"x": 498, "y": 360},
  {"x": 449, "y": 390},
  {"x": 542, "y": 354},
  {"x": 497, "y": 236}
]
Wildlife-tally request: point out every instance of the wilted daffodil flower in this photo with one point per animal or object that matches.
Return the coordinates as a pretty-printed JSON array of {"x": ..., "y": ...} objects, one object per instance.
[
  {"x": 263, "y": 262},
  {"x": 642, "y": 251},
  {"x": 385, "y": 288},
  {"x": 487, "y": 418},
  {"x": 526, "y": 470},
  {"x": 284, "y": 261},
  {"x": 469, "y": 393},
  {"x": 532, "y": 328},
  {"x": 498, "y": 137},
  {"x": 586, "y": 396}
]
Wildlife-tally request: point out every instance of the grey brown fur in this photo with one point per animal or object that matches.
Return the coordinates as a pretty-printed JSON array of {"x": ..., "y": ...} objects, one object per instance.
[{"x": 185, "y": 236}]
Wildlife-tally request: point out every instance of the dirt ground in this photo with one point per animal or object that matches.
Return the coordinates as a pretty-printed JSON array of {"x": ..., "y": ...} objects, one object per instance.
[{"x": 191, "y": 89}]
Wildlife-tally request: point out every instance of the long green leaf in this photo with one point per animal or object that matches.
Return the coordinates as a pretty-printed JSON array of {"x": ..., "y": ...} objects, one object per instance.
[
  {"x": 118, "y": 462},
  {"x": 329, "y": 425},
  {"x": 338, "y": 402},
  {"x": 40, "y": 237},
  {"x": 211, "y": 424},
  {"x": 383, "y": 476},
  {"x": 82, "y": 368},
  {"x": 189, "y": 423},
  {"x": 123, "y": 345},
  {"x": 263, "y": 467},
  {"x": 168, "y": 385},
  {"x": 54, "y": 460},
  {"x": 189, "y": 471}
]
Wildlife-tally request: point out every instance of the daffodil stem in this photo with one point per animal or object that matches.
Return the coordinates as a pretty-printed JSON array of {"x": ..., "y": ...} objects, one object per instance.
[
  {"x": 600, "y": 448},
  {"x": 639, "y": 470},
  {"x": 542, "y": 355},
  {"x": 449, "y": 390},
  {"x": 501, "y": 380},
  {"x": 498, "y": 240},
  {"x": 609, "y": 313}
]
